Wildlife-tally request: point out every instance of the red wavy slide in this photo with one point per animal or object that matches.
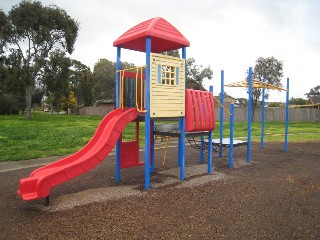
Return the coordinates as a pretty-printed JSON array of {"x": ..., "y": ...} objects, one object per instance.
[{"x": 40, "y": 181}]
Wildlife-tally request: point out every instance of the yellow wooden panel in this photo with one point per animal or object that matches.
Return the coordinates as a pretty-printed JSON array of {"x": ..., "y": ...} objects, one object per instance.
[{"x": 167, "y": 100}]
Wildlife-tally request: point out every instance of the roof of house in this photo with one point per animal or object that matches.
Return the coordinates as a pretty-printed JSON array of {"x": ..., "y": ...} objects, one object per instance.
[
  {"x": 164, "y": 37},
  {"x": 225, "y": 96},
  {"x": 315, "y": 99}
]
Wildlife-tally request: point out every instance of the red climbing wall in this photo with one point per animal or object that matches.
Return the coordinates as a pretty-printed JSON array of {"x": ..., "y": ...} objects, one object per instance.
[{"x": 199, "y": 111}]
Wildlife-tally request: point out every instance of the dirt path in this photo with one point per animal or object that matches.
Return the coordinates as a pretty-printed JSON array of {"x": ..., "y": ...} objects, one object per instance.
[{"x": 277, "y": 196}]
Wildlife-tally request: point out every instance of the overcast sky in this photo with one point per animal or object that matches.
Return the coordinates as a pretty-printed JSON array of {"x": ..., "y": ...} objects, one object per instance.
[{"x": 225, "y": 34}]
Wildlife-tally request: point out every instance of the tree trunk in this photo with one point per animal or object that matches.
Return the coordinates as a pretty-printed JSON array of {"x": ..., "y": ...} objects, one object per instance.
[{"x": 28, "y": 102}]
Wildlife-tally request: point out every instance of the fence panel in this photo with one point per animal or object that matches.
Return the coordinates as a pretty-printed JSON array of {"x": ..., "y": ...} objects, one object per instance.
[
  {"x": 96, "y": 111},
  {"x": 240, "y": 114},
  {"x": 273, "y": 115}
]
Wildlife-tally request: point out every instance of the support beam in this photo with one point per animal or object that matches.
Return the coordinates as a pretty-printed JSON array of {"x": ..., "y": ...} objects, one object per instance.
[
  {"x": 147, "y": 152},
  {"x": 210, "y": 144},
  {"x": 249, "y": 115},
  {"x": 287, "y": 119},
  {"x": 182, "y": 128},
  {"x": 221, "y": 112},
  {"x": 262, "y": 117},
  {"x": 231, "y": 135},
  {"x": 118, "y": 66}
]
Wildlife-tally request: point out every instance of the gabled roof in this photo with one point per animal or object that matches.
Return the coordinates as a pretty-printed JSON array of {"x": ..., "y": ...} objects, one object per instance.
[
  {"x": 314, "y": 99},
  {"x": 164, "y": 37}
]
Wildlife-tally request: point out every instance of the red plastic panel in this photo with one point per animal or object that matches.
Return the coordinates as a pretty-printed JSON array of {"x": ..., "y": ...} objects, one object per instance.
[
  {"x": 129, "y": 151},
  {"x": 129, "y": 154},
  {"x": 134, "y": 75},
  {"x": 40, "y": 182},
  {"x": 164, "y": 37},
  {"x": 199, "y": 111}
]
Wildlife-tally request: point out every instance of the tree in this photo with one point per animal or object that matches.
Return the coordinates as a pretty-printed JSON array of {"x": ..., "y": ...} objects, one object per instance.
[
  {"x": 69, "y": 100},
  {"x": 11, "y": 76},
  {"x": 313, "y": 92},
  {"x": 37, "y": 96},
  {"x": 241, "y": 102},
  {"x": 81, "y": 80},
  {"x": 196, "y": 74},
  {"x": 104, "y": 78},
  {"x": 270, "y": 70},
  {"x": 172, "y": 53},
  {"x": 32, "y": 33},
  {"x": 4, "y": 28},
  {"x": 55, "y": 78},
  {"x": 297, "y": 101}
]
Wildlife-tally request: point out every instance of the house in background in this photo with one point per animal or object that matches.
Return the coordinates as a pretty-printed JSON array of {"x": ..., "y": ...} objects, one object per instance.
[
  {"x": 227, "y": 100},
  {"x": 313, "y": 102}
]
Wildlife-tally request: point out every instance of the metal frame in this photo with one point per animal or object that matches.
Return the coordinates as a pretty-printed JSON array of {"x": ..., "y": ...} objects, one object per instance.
[{"x": 250, "y": 84}]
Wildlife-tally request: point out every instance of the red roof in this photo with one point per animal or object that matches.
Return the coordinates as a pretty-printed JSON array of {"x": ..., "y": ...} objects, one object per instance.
[{"x": 164, "y": 37}]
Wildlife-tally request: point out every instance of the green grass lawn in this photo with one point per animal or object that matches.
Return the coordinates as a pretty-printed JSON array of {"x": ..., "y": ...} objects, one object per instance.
[
  {"x": 274, "y": 131},
  {"x": 50, "y": 134},
  {"x": 44, "y": 135}
]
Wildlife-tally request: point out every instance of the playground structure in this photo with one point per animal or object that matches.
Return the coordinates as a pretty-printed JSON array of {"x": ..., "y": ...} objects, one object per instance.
[
  {"x": 150, "y": 93},
  {"x": 223, "y": 143}
]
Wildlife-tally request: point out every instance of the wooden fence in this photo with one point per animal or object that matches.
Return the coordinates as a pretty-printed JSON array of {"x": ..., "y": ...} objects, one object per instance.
[
  {"x": 96, "y": 111},
  {"x": 273, "y": 115},
  {"x": 240, "y": 114}
]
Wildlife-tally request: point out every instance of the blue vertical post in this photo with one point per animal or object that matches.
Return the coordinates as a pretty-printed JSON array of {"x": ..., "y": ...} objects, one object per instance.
[
  {"x": 249, "y": 115},
  {"x": 221, "y": 112},
  {"x": 182, "y": 128},
  {"x": 262, "y": 117},
  {"x": 210, "y": 144},
  {"x": 287, "y": 119},
  {"x": 147, "y": 154},
  {"x": 152, "y": 146},
  {"x": 201, "y": 149},
  {"x": 231, "y": 135},
  {"x": 118, "y": 66}
]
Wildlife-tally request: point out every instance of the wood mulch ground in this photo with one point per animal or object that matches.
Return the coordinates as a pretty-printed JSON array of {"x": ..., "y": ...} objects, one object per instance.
[{"x": 277, "y": 196}]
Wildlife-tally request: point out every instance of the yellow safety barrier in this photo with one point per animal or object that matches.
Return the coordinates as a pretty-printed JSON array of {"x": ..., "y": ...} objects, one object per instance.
[
  {"x": 142, "y": 92},
  {"x": 140, "y": 103},
  {"x": 121, "y": 88}
]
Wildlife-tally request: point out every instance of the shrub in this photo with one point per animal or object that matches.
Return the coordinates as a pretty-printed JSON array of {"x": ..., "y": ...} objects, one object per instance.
[{"x": 9, "y": 104}]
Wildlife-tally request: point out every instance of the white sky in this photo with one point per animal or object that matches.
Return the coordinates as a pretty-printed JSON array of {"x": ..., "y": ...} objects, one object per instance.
[{"x": 225, "y": 34}]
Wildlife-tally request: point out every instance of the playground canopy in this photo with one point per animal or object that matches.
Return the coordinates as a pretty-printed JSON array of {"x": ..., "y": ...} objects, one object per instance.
[{"x": 165, "y": 37}]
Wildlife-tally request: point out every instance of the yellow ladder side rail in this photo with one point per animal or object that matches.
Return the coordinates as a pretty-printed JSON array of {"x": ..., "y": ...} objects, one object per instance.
[
  {"x": 139, "y": 104},
  {"x": 121, "y": 88},
  {"x": 165, "y": 152},
  {"x": 142, "y": 96}
]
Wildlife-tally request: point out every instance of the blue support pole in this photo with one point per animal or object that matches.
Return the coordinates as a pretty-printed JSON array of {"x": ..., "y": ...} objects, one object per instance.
[
  {"x": 182, "y": 128},
  {"x": 221, "y": 112},
  {"x": 118, "y": 66},
  {"x": 210, "y": 144},
  {"x": 262, "y": 117},
  {"x": 201, "y": 150},
  {"x": 231, "y": 135},
  {"x": 249, "y": 115},
  {"x": 287, "y": 119},
  {"x": 152, "y": 146},
  {"x": 147, "y": 154}
]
